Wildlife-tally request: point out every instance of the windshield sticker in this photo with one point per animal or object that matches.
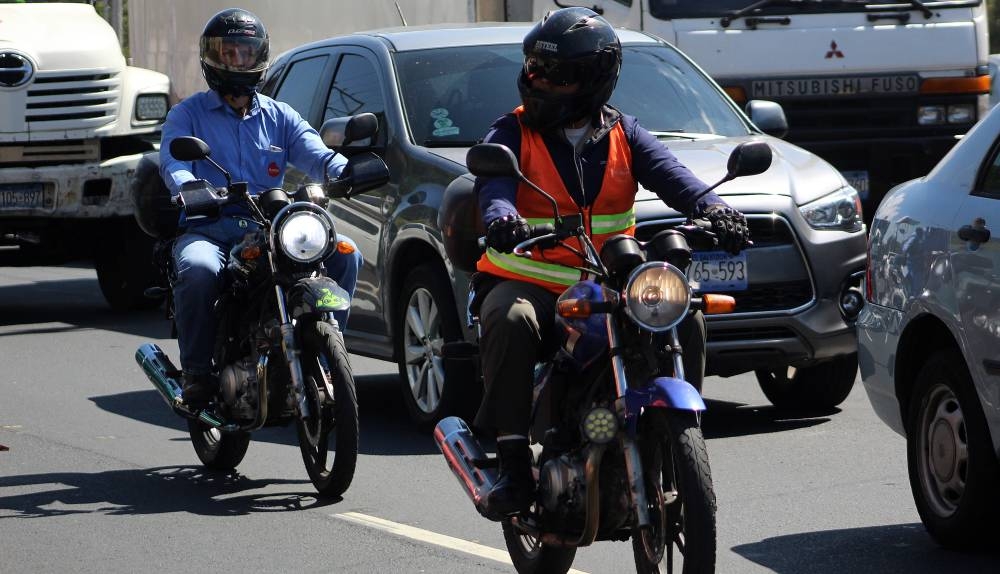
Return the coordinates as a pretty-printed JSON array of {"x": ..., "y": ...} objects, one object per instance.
[{"x": 443, "y": 126}]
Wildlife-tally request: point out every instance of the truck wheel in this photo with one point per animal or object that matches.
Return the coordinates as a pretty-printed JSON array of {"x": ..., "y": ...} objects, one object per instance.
[
  {"x": 426, "y": 319},
  {"x": 819, "y": 387},
  {"x": 125, "y": 269}
]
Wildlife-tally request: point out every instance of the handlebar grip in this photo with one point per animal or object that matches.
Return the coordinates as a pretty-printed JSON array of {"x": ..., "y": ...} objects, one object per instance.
[{"x": 542, "y": 229}]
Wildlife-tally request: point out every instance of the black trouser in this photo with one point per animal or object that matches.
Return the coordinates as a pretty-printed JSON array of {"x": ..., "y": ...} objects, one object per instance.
[{"x": 517, "y": 320}]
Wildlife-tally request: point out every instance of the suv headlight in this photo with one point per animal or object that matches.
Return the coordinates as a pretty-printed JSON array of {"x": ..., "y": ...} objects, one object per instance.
[
  {"x": 840, "y": 210},
  {"x": 304, "y": 237}
]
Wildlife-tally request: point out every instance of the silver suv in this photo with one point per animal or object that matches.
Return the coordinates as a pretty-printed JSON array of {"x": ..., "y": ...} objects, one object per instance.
[{"x": 436, "y": 90}]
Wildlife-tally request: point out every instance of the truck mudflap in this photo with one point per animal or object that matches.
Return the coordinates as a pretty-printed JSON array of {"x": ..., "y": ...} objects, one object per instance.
[{"x": 88, "y": 191}]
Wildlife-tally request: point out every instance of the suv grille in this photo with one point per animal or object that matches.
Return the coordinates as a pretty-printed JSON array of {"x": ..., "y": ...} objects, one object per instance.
[
  {"x": 763, "y": 295},
  {"x": 73, "y": 100}
]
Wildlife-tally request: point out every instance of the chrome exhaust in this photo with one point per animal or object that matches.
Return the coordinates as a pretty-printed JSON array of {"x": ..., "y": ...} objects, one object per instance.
[
  {"x": 161, "y": 372},
  {"x": 467, "y": 459}
]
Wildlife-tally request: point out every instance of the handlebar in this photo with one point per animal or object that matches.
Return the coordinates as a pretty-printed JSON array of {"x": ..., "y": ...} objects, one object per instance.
[{"x": 537, "y": 234}]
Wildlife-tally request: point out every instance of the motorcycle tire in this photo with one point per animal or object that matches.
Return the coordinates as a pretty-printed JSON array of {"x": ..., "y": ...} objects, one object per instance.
[
  {"x": 218, "y": 450},
  {"x": 532, "y": 557},
  {"x": 675, "y": 458},
  {"x": 328, "y": 438}
]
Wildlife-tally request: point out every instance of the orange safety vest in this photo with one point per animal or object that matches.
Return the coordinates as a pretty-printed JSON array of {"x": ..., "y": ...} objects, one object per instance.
[{"x": 612, "y": 213}]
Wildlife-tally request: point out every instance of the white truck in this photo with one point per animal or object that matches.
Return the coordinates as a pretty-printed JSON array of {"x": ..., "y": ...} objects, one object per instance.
[
  {"x": 74, "y": 121},
  {"x": 881, "y": 89}
]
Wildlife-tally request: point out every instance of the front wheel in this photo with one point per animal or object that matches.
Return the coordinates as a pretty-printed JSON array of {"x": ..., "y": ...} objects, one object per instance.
[
  {"x": 681, "y": 496},
  {"x": 822, "y": 386},
  {"x": 530, "y": 556},
  {"x": 328, "y": 437},
  {"x": 218, "y": 450},
  {"x": 952, "y": 466}
]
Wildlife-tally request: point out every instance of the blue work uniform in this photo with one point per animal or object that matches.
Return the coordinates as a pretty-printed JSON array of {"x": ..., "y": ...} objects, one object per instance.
[{"x": 254, "y": 148}]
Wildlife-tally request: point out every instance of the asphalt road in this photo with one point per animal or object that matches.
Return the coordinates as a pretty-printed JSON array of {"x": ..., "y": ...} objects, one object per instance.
[{"x": 100, "y": 475}]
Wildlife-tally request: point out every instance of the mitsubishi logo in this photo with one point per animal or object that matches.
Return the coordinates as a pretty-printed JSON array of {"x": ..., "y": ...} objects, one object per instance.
[
  {"x": 15, "y": 70},
  {"x": 834, "y": 52}
]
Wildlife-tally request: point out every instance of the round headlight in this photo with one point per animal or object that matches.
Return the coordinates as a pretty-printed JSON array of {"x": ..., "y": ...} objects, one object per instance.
[
  {"x": 304, "y": 237},
  {"x": 657, "y": 296}
]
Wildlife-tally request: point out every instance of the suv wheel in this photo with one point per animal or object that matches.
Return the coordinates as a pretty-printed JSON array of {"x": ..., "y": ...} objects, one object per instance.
[
  {"x": 425, "y": 320},
  {"x": 822, "y": 386}
]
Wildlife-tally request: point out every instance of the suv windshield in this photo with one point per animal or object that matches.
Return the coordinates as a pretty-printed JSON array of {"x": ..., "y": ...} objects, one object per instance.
[
  {"x": 451, "y": 96},
  {"x": 670, "y": 9}
]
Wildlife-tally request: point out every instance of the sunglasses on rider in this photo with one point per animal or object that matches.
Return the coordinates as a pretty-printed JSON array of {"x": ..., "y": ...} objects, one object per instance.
[{"x": 556, "y": 72}]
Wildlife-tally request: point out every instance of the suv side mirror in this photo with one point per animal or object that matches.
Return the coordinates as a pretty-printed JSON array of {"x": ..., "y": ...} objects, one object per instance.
[
  {"x": 768, "y": 116},
  {"x": 339, "y": 132}
]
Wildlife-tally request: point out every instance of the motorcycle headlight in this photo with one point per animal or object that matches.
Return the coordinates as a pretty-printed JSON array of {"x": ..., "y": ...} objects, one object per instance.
[
  {"x": 657, "y": 296},
  {"x": 304, "y": 237},
  {"x": 839, "y": 210}
]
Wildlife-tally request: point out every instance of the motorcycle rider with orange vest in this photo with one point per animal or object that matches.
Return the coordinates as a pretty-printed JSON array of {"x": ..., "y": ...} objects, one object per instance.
[{"x": 590, "y": 157}]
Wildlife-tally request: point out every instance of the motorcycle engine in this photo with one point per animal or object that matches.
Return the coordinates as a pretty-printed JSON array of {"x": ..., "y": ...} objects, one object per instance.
[
  {"x": 238, "y": 383},
  {"x": 562, "y": 485}
]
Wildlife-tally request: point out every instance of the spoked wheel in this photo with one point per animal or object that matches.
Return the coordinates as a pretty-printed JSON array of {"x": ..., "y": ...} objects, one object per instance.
[
  {"x": 682, "y": 498},
  {"x": 532, "y": 557},
  {"x": 218, "y": 450},
  {"x": 328, "y": 438}
]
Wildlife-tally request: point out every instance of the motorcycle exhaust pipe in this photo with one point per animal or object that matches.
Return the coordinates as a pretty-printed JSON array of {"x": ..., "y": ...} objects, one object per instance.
[
  {"x": 161, "y": 372},
  {"x": 467, "y": 459}
]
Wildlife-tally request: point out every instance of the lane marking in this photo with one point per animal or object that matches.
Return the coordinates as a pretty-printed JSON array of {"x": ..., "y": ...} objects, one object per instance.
[{"x": 429, "y": 537}]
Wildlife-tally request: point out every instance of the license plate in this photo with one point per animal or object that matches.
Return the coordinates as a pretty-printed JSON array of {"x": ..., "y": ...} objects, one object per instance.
[
  {"x": 837, "y": 86},
  {"x": 718, "y": 271},
  {"x": 20, "y": 195},
  {"x": 858, "y": 180}
]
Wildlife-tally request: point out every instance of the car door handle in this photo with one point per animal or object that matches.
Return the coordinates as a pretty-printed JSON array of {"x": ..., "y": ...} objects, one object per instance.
[{"x": 974, "y": 234}]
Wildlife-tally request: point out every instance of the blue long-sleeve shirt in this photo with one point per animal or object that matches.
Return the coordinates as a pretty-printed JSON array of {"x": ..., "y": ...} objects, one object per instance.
[
  {"x": 254, "y": 148},
  {"x": 653, "y": 166}
]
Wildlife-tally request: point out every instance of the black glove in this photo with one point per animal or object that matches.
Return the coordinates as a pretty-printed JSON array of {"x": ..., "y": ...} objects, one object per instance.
[
  {"x": 505, "y": 232},
  {"x": 729, "y": 226}
]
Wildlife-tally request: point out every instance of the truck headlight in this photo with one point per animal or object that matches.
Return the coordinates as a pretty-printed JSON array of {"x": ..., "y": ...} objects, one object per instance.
[
  {"x": 840, "y": 210},
  {"x": 305, "y": 237},
  {"x": 657, "y": 296},
  {"x": 151, "y": 107}
]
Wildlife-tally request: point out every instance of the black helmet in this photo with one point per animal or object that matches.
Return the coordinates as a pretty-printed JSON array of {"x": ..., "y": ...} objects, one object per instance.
[
  {"x": 570, "y": 45},
  {"x": 234, "y": 51}
]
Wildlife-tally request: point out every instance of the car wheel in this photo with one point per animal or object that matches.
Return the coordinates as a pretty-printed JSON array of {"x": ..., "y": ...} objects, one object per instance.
[
  {"x": 125, "y": 269},
  {"x": 426, "y": 319},
  {"x": 818, "y": 387},
  {"x": 953, "y": 468}
]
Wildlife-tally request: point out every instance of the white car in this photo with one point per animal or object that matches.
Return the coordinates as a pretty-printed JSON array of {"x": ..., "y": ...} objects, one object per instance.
[{"x": 929, "y": 336}]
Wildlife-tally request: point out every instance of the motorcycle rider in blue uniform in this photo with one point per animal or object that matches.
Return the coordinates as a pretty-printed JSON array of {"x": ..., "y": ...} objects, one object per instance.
[{"x": 252, "y": 137}]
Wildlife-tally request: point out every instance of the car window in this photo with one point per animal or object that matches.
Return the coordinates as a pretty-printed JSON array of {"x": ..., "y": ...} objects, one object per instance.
[
  {"x": 452, "y": 95},
  {"x": 356, "y": 89},
  {"x": 990, "y": 186},
  {"x": 298, "y": 89}
]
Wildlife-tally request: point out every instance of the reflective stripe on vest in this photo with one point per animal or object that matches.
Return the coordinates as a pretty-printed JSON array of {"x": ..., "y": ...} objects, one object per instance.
[{"x": 610, "y": 214}]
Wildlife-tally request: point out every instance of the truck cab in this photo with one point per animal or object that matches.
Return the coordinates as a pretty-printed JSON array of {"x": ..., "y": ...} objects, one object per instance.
[{"x": 74, "y": 121}]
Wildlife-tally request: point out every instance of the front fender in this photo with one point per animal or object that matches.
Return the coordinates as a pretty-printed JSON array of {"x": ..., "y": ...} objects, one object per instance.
[
  {"x": 317, "y": 295},
  {"x": 664, "y": 393}
]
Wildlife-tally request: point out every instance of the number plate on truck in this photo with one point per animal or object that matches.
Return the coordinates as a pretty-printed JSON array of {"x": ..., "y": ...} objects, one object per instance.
[
  {"x": 20, "y": 195},
  {"x": 718, "y": 271}
]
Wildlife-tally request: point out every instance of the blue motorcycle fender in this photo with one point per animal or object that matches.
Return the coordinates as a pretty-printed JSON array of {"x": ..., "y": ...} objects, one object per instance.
[
  {"x": 318, "y": 295},
  {"x": 662, "y": 392}
]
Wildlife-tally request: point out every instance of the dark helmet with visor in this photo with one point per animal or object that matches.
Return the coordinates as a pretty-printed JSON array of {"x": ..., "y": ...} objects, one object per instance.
[
  {"x": 234, "y": 51},
  {"x": 569, "y": 46}
]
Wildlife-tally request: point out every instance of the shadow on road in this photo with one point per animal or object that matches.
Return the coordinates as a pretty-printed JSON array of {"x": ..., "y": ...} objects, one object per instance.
[
  {"x": 178, "y": 488},
  {"x": 724, "y": 419},
  {"x": 386, "y": 429},
  {"x": 894, "y": 548}
]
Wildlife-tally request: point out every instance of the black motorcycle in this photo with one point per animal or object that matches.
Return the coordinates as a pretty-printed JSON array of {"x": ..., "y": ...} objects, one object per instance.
[
  {"x": 279, "y": 354},
  {"x": 622, "y": 453}
]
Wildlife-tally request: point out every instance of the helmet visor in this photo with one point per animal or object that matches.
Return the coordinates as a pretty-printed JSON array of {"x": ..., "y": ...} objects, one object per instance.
[
  {"x": 235, "y": 54},
  {"x": 558, "y": 72}
]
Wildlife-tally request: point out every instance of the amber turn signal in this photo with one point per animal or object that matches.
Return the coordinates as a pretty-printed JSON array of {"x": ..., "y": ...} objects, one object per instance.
[
  {"x": 250, "y": 252},
  {"x": 573, "y": 308},
  {"x": 718, "y": 304},
  {"x": 344, "y": 248}
]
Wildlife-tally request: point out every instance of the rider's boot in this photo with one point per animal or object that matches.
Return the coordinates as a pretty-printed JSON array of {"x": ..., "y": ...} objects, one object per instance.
[
  {"x": 198, "y": 389},
  {"x": 514, "y": 490}
]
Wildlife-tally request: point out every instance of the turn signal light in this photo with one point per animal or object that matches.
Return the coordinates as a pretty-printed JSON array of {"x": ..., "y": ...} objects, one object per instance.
[
  {"x": 573, "y": 308},
  {"x": 737, "y": 93},
  {"x": 971, "y": 85},
  {"x": 344, "y": 248},
  {"x": 250, "y": 252},
  {"x": 718, "y": 304}
]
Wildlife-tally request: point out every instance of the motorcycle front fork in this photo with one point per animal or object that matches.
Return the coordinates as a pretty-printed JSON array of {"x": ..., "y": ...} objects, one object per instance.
[{"x": 633, "y": 460}]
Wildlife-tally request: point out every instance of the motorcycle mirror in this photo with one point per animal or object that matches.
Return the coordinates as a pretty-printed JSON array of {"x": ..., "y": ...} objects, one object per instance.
[
  {"x": 339, "y": 132},
  {"x": 749, "y": 158},
  {"x": 189, "y": 148},
  {"x": 363, "y": 172},
  {"x": 492, "y": 160}
]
